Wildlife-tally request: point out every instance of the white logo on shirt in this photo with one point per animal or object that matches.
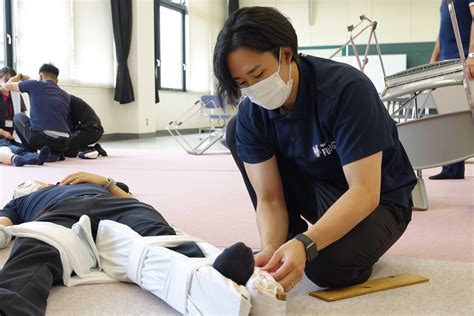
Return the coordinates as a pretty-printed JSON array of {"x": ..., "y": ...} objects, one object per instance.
[{"x": 324, "y": 149}]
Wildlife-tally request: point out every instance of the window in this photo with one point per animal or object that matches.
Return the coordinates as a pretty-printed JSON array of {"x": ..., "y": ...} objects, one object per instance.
[
  {"x": 170, "y": 63},
  {"x": 76, "y": 36}
]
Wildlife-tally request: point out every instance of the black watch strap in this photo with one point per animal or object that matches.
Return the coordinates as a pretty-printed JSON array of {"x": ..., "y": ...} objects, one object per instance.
[{"x": 310, "y": 246}]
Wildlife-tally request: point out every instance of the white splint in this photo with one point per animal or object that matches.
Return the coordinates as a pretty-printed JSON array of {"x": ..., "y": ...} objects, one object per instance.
[{"x": 190, "y": 285}]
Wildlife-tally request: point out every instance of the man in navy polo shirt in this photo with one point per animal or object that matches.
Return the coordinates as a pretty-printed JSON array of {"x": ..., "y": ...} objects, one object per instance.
[
  {"x": 315, "y": 144},
  {"x": 49, "y": 111},
  {"x": 446, "y": 48}
]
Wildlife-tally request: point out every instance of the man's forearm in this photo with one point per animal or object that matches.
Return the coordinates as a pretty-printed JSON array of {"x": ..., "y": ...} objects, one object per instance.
[
  {"x": 272, "y": 222},
  {"x": 12, "y": 84}
]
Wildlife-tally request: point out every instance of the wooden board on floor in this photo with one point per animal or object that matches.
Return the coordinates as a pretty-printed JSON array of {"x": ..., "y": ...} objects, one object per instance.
[{"x": 370, "y": 286}]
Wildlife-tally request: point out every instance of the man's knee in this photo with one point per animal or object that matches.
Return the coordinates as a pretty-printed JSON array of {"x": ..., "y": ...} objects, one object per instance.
[{"x": 336, "y": 269}]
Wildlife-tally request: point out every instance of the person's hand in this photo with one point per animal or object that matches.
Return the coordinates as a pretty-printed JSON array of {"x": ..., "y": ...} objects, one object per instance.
[
  {"x": 84, "y": 177},
  {"x": 5, "y": 238},
  {"x": 287, "y": 264},
  {"x": 263, "y": 256},
  {"x": 470, "y": 68},
  {"x": 6, "y": 134}
]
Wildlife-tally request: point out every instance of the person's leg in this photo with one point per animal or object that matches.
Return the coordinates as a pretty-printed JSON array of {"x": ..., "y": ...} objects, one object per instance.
[
  {"x": 350, "y": 260},
  {"x": 82, "y": 138},
  {"x": 141, "y": 217},
  {"x": 27, "y": 276},
  {"x": 21, "y": 123}
]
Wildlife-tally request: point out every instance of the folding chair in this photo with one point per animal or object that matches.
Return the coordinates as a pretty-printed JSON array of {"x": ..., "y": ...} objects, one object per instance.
[{"x": 209, "y": 106}]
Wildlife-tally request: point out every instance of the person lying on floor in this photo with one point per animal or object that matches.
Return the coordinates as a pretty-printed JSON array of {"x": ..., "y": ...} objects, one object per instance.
[
  {"x": 34, "y": 266},
  {"x": 18, "y": 157}
]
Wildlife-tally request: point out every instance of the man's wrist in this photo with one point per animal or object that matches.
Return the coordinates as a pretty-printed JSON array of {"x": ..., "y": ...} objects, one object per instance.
[
  {"x": 110, "y": 184},
  {"x": 470, "y": 55}
]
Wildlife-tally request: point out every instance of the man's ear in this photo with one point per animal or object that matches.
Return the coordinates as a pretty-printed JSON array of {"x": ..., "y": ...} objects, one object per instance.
[
  {"x": 287, "y": 54},
  {"x": 41, "y": 76}
]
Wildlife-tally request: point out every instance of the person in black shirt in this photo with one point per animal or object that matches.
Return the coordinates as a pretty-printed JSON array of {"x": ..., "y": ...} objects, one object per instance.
[{"x": 86, "y": 128}]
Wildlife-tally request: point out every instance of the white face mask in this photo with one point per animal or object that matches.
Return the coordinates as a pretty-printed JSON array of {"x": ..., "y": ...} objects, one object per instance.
[
  {"x": 271, "y": 92},
  {"x": 28, "y": 187}
]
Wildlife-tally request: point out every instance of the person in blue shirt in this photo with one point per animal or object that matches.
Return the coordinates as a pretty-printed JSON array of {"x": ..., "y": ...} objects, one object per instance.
[
  {"x": 48, "y": 124},
  {"x": 33, "y": 266},
  {"x": 314, "y": 144},
  {"x": 446, "y": 48}
]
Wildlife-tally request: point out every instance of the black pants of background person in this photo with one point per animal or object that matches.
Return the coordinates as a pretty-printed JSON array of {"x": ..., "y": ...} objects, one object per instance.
[
  {"x": 82, "y": 138},
  {"x": 34, "y": 140},
  {"x": 33, "y": 266},
  {"x": 349, "y": 260}
]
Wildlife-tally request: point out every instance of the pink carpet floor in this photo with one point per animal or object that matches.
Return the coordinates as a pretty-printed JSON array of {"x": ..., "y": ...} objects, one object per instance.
[{"x": 205, "y": 196}]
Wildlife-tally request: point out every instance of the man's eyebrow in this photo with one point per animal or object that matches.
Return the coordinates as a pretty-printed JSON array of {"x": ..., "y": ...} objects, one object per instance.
[{"x": 248, "y": 72}]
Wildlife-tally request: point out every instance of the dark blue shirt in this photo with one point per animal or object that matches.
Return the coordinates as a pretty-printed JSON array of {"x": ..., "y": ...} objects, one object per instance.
[
  {"x": 447, "y": 41},
  {"x": 29, "y": 207},
  {"x": 49, "y": 105},
  {"x": 337, "y": 118}
]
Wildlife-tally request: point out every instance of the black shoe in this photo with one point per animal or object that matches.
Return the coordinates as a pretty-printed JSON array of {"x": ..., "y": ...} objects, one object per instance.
[
  {"x": 100, "y": 150},
  {"x": 442, "y": 176}
]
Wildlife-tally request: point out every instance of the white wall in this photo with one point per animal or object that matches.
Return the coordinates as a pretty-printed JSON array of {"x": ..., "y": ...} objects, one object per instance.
[
  {"x": 399, "y": 21},
  {"x": 206, "y": 17}
]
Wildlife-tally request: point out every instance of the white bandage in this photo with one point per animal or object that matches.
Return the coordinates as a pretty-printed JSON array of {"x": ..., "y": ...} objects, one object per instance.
[{"x": 268, "y": 296}]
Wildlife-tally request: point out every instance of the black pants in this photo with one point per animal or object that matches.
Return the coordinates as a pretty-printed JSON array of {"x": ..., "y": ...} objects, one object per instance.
[
  {"x": 34, "y": 140},
  {"x": 350, "y": 259},
  {"x": 33, "y": 266},
  {"x": 82, "y": 138}
]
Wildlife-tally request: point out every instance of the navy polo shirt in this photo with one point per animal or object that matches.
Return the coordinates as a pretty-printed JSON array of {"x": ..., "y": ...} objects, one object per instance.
[
  {"x": 447, "y": 41},
  {"x": 337, "y": 118},
  {"x": 49, "y": 105},
  {"x": 29, "y": 207}
]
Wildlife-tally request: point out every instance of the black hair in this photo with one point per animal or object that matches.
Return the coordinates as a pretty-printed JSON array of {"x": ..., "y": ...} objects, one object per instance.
[
  {"x": 49, "y": 70},
  {"x": 263, "y": 29},
  {"x": 7, "y": 71}
]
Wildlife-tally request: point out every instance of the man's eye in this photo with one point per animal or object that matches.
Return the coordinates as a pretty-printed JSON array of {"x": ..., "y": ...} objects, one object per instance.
[{"x": 259, "y": 75}]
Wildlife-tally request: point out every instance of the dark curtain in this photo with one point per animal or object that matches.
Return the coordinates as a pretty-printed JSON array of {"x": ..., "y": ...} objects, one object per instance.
[
  {"x": 233, "y": 6},
  {"x": 122, "y": 25}
]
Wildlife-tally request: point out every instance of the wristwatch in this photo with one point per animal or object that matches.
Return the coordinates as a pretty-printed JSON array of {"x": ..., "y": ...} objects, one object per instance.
[
  {"x": 470, "y": 55},
  {"x": 110, "y": 184},
  {"x": 309, "y": 245}
]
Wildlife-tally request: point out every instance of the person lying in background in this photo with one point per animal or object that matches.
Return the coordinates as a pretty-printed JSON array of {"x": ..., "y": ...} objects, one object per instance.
[{"x": 34, "y": 266}]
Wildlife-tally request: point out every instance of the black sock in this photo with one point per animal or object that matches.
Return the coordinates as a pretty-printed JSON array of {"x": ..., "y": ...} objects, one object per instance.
[
  {"x": 236, "y": 263},
  {"x": 43, "y": 154}
]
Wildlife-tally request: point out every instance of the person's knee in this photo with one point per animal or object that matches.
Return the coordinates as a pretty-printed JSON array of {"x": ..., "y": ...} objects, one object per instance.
[
  {"x": 20, "y": 117},
  {"x": 335, "y": 269}
]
